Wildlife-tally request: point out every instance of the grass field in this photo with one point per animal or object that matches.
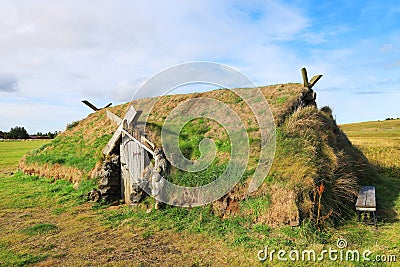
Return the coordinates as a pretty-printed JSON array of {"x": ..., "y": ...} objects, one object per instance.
[
  {"x": 45, "y": 222},
  {"x": 379, "y": 141},
  {"x": 11, "y": 151},
  {"x": 49, "y": 223}
]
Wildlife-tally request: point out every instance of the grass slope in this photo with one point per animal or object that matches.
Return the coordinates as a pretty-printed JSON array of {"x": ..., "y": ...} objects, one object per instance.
[{"x": 79, "y": 147}]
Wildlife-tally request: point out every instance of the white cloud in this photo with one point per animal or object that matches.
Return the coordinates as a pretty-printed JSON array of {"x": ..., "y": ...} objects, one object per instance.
[
  {"x": 124, "y": 90},
  {"x": 64, "y": 51}
]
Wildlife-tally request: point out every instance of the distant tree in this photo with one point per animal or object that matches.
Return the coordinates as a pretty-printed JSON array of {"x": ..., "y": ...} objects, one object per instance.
[
  {"x": 18, "y": 133},
  {"x": 52, "y": 135}
]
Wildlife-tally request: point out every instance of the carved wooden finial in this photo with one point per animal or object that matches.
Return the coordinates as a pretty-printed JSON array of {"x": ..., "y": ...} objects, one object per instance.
[
  {"x": 312, "y": 82},
  {"x": 90, "y": 105},
  {"x": 305, "y": 77}
]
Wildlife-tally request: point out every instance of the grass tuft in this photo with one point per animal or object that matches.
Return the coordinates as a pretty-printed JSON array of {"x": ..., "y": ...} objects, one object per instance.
[{"x": 41, "y": 228}]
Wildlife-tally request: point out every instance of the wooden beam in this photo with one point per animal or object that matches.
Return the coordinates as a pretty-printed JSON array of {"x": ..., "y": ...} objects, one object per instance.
[
  {"x": 90, "y": 105},
  {"x": 138, "y": 142},
  {"x": 314, "y": 80},
  {"x": 107, "y": 105},
  {"x": 130, "y": 118},
  {"x": 132, "y": 115},
  {"x": 305, "y": 78},
  {"x": 144, "y": 139},
  {"x": 114, "y": 118},
  {"x": 113, "y": 141}
]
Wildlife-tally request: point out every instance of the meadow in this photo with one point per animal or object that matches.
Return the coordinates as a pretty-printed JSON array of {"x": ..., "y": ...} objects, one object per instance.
[
  {"x": 12, "y": 151},
  {"x": 47, "y": 222},
  {"x": 379, "y": 141}
]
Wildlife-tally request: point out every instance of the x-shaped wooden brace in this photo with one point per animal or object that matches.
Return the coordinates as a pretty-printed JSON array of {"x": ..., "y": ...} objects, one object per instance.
[
  {"x": 312, "y": 82},
  {"x": 125, "y": 127}
]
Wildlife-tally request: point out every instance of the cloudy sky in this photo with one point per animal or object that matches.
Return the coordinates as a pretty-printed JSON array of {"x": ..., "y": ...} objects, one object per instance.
[{"x": 53, "y": 54}]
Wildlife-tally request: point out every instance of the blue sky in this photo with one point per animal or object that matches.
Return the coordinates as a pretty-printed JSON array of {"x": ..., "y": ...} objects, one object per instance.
[{"x": 53, "y": 54}]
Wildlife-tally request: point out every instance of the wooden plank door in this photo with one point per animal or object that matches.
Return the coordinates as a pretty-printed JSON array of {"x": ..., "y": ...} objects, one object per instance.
[{"x": 134, "y": 160}]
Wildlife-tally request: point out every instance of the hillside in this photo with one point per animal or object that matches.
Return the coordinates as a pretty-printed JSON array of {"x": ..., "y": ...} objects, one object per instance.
[{"x": 313, "y": 159}]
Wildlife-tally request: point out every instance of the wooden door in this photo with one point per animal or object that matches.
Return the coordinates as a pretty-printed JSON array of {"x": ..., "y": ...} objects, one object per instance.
[{"x": 134, "y": 160}]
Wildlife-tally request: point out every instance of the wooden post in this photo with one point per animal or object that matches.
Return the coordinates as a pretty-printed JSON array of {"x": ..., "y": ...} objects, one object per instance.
[
  {"x": 305, "y": 78},
  {"x": 312, "y": 82}
]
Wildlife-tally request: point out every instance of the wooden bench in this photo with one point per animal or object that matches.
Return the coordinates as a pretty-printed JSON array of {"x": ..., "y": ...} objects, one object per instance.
[{"x": 366, "y": 202}]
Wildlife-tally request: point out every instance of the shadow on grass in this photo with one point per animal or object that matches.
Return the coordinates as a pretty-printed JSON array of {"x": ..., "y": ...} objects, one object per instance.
[{"x": 388, "y": 195}]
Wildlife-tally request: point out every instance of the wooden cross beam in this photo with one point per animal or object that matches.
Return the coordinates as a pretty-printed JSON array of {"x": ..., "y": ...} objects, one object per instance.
[
  {"x": 131, "y": 117},
  {"x": 138, "y": 142},
  {"x": 90, "y": 105},
  {"x": 117, "y": 120},
  {"x": 309, "y": 84},
  {"x": 128, "y": 121}
]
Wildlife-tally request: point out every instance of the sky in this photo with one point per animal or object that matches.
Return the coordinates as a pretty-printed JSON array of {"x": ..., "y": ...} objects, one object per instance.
[{"x": 53, "y": 54}]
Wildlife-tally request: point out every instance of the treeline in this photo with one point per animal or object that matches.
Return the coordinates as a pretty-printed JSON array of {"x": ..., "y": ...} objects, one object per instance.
[{"x": 19, "y": 132}]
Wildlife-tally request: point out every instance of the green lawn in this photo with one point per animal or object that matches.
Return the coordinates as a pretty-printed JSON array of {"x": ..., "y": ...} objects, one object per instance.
[
  {"x": 50, "y": 223},
  {"x": 12, "y": 151}
]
